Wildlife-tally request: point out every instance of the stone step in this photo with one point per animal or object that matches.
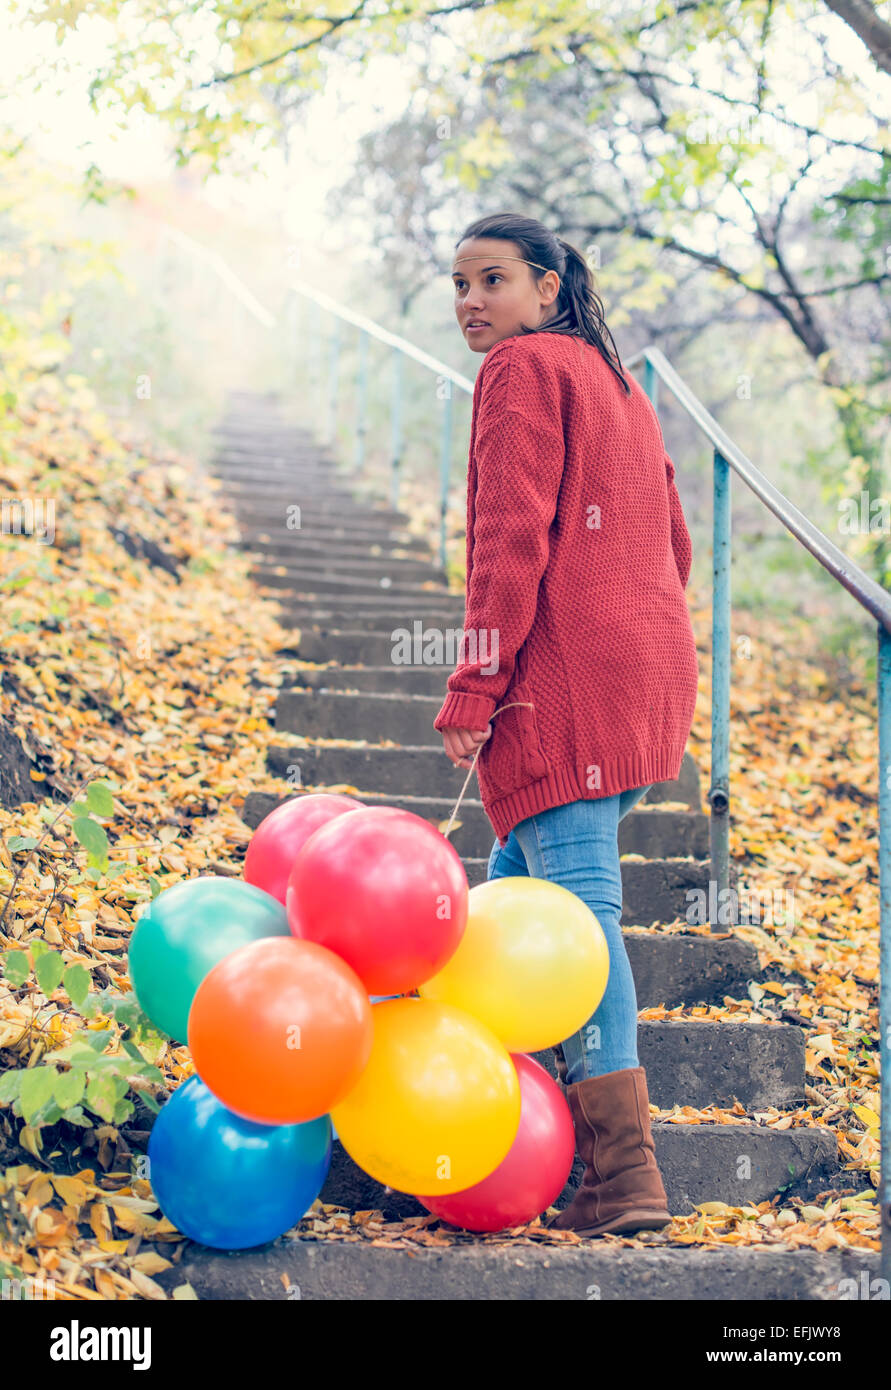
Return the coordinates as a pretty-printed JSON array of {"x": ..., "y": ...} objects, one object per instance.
[
  {"x": 410, "y": 574},
  {"x": 364, "y": 528},
  {"x": 335, "y": 507},
  {"x": 406, "y": 719},
  {"x": 476, "y": 870},
  {"x": 249, "y": 442},
  {"x": 323, "y": 618},
  {"x": 407, "y": 680},
  {"x": 331, "y": 510},
  {"x": 653, "y": 833},
  {"x": 317, "y": 580},
  {"x": 740, "y": 1164},
  {"x": 293, "y": 455},
  {"x": 244, "y": 447},
  {"x": 323, "y": 478},
  {"x": 253, "y": 428},
  {"x": 281, "y": 540},
  {"x": 508, "y": 1272},
  {"x": 375, "y": 611},
  {"x": 358, "y": 646},
  {"x": 675, "y": 968},
  {"x": 701, "y": 1061},
  {"x": 316, "y": 482},
  {"x": 423, "y": 771}
]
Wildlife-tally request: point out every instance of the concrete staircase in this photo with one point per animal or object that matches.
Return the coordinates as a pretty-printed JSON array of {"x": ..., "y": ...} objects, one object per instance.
[{"x": 349, "y": 575}]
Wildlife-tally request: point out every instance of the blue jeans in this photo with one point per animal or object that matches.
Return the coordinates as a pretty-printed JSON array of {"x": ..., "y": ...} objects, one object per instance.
[{"x": 577, "y": 846}]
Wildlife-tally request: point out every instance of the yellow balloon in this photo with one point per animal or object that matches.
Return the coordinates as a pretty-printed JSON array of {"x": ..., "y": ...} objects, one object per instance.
[
  {"x": 532, "y": 964},
  {"x": 438, "y": 1105}
]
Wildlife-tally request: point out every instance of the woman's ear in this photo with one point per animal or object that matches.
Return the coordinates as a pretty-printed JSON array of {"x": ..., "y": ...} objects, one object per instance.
[{"x": 552, "y": 280}]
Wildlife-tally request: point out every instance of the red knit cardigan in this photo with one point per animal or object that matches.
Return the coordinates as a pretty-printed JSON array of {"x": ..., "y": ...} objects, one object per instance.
[{"x": 578, "y": 556}]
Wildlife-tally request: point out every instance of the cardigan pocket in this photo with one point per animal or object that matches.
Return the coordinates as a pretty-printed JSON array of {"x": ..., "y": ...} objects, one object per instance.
[{"x": 513, "y": 754}]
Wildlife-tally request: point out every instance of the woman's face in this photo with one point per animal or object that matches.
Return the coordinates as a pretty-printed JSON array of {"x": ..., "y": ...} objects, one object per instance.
[{"x": 497, "y": 293}]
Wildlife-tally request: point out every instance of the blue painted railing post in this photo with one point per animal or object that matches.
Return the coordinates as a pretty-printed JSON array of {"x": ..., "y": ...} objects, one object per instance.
[
  {"x": 396, "y": 448},
  {"x": 333, "y": 368},
  {"x": 362, "y": 393},
  {"x": 884, "y": 714},
  {"x": 651, "y": 383},
  {"x": 445, "y": 468},
  {"x": 719, "y": 790}
]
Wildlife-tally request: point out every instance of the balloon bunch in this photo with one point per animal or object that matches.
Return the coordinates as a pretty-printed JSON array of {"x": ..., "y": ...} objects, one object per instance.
[{"x": 354, "y": 978}]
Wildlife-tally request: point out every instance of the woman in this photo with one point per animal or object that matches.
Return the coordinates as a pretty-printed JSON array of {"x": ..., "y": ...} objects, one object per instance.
[{"x": 578, "y": 556}]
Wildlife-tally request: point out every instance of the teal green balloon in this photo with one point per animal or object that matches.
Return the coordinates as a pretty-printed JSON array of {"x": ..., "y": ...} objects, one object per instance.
[{"x": 187, "y": 929}]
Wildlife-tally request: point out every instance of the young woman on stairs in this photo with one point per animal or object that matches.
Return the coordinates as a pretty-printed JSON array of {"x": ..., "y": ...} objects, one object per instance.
[{"x": 578, "y": 556}]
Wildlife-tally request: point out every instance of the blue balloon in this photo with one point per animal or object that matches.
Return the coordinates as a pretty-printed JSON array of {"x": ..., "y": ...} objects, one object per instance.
[{"x": 227, "y": 1182}]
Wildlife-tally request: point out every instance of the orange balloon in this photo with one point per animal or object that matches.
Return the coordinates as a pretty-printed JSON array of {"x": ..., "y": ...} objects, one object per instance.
[{"x": 280, "y": 1030}]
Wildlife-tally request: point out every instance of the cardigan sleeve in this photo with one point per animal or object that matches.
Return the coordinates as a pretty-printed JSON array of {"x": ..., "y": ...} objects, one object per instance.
[
  {"x": 519, "y": 452},
  {"x": 680, "y": 536}
]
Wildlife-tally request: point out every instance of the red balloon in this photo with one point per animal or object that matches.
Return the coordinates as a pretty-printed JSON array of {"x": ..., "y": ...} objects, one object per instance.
[
  {"x": 385, "y": 891},
  {"x": 281, "y": 835},
  {"x": 535, "y": 1170}
]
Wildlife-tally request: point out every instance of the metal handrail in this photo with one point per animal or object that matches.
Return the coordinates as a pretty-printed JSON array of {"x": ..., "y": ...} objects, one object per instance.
[
  {"x": 868, "y": 593},
  {"x": 383, "y": 335},
  {"x": 223, "y": 269}
]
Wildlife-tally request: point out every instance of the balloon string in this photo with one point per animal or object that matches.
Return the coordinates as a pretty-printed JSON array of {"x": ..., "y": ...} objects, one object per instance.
[{"x": 530, "y": 705}]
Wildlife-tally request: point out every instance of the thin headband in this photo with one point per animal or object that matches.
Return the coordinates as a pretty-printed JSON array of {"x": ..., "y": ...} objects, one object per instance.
[{"x": 504, "y": 258}]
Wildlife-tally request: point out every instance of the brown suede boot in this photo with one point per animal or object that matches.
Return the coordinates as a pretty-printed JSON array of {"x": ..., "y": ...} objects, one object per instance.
[{"x": 621, "y": 1189}]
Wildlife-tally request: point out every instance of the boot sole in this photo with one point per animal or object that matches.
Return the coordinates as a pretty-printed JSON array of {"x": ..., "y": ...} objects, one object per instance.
[{"x": 635, "y": 1220}]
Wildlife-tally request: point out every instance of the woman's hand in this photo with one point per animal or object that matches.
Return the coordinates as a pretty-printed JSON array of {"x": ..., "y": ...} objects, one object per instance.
[{"x": 461, "y": 744}]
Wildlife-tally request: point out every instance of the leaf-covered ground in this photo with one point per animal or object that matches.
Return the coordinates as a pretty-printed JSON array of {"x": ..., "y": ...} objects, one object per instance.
[{"x": 138, "y": 650}]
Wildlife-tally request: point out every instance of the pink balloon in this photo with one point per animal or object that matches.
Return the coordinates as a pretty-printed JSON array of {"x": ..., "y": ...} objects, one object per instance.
[
  {"x": 534, "y": 1172},
  {"x": 281, "y": 835}
]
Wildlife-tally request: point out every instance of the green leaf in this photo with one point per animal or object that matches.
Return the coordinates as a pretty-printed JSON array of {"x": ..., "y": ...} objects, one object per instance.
[
  {"x": 92, "y": 836},
  {"x": 101, "y": 1095},
  {"x": 150, "y": 1103},
  {"x": 49, "y": 970},
  {"x": 155, "y": 885},
  {"x": 69, "y": 1088},
  {"x": 38, "y": 948},
  {"x": 132, "y": 1050},
  {"x": 96, "y": 1038},
  {"x": 79, "y": 808},
  {"x": 76, "y": 1116},
  {"x": 127, "y": 1012},
  {"x": 77, "y": 980},
  {"x": 122, "y": 1111},
  {"x": 36, "y": 1089},
  {"x": 99, "y": 799},
  {"x": 9, "y": 1085},
  {"x": 18, "y": 842},
  {"x": 16, "y": 967}
]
